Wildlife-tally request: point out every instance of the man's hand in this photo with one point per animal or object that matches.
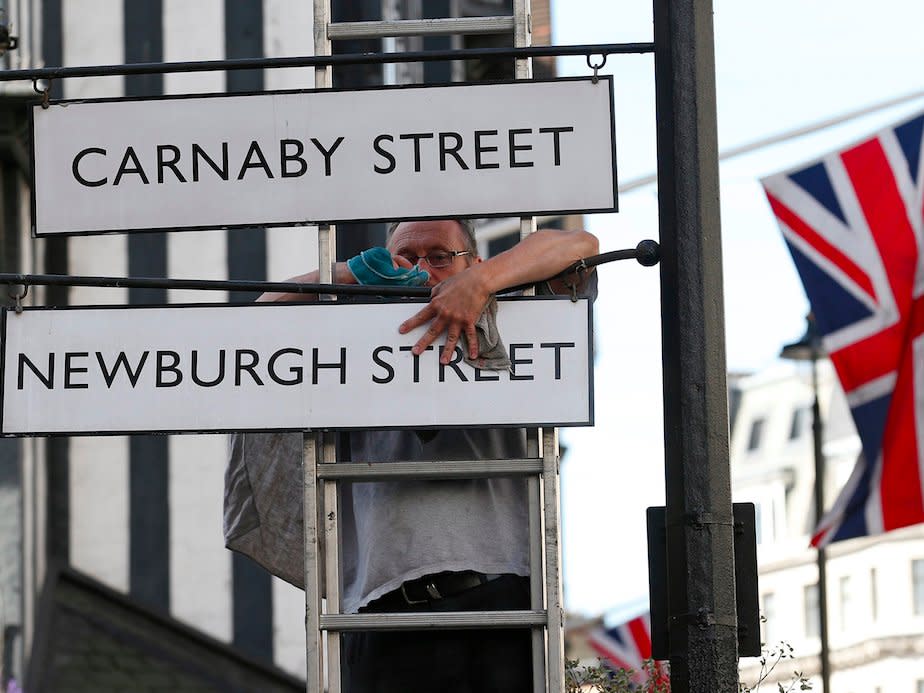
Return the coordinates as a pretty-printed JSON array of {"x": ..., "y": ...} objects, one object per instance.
[{"x": 455, "y": 305}]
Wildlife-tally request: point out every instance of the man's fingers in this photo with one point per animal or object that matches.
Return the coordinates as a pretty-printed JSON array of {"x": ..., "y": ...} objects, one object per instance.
[
  {"x": 472, "y": 338},
  {"x": 417, "y": 320},
  {"x": 401, "y": 262},
  {"x": 449, "y": 348},
  {"x": 435, "y": 330}
]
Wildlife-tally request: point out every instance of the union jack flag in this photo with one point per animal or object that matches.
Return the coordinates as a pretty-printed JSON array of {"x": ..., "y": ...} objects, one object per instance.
[
  {"x": 853, "y": 223},
  {"x": 626, "y": 646}
]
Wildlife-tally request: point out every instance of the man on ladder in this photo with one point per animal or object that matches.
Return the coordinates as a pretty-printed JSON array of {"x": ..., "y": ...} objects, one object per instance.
[{"x": 414, "y": 546}]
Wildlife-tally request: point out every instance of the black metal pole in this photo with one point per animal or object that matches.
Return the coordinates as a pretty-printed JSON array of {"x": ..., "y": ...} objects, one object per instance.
[
  {"x": 700, "y": 539},
  {"x": 602, "y": 49},
  {"x": 817, "y": 440},
  {"x": 647, "y": 253}
]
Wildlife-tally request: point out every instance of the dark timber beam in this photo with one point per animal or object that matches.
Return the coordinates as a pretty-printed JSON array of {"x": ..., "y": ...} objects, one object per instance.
[{"x": 700, "y": 547}]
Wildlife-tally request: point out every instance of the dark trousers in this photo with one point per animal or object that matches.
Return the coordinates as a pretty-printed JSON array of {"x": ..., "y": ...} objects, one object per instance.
[{"x": 445, "y": 661}]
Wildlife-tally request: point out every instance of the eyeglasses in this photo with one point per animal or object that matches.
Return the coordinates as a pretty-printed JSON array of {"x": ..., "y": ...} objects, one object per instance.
[{"x": 437, "y": 259}]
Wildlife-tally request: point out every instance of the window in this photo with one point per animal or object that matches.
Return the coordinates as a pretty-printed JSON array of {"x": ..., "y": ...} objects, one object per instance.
[
  {"x": 811, "y": 613},
  {"x": 799, "y": 424},
  {"x": 757, "y": 430},
  {"x": 846, "y": 604},
  {"x": 917, "y": 579},
  {"x": 768, "y": 604}
]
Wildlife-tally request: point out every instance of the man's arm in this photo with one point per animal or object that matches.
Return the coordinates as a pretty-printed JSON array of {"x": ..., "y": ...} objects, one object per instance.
[
  {"x": 342, "y": 275},
  {"x": 457, "y": 302}
]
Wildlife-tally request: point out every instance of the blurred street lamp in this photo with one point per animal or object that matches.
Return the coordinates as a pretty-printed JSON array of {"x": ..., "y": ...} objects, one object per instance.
[
  {"x": 809, "y": 348},
  {"x": 7, "y": 42}
]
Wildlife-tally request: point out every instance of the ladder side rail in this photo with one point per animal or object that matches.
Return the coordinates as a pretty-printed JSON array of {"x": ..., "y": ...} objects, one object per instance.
[
  {"x": 324, "y": 498},
  {"x": 332, "y": 593},
  {"x": 314, "y": 674},
  {"x": 552, "y": 546},
  {"x": 522, "y": 37}
]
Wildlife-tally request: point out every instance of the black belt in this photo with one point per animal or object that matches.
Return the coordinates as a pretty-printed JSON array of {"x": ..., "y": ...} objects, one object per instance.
[{"x": 431, "y": 588}]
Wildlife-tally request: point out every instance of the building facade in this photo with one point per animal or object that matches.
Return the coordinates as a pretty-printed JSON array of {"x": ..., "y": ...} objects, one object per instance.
[{"x": 875, "y": 585}]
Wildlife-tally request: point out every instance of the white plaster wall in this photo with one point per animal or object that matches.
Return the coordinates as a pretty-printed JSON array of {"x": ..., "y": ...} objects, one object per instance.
[
  {"x": 287, "y": 31},
  {"x": 98, "y": 466},
  {"x": 289, "y": 627},
  {"x": 200, "y": 566}
]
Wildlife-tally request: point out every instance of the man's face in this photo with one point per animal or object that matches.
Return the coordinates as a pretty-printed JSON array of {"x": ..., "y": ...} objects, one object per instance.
[{"x": 415, "y": 239}]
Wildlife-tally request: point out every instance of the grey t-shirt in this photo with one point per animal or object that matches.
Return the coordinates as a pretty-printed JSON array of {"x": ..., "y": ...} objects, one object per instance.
[
  {"x": 399, "y": 531},
  {"x": 391, "y": 531}
]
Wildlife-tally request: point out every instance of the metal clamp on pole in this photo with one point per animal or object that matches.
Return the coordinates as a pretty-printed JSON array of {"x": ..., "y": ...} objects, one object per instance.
[
  {"x": 44, "y": 92},
  {"x": 580, "y": 269},
  {"x": 17, "y": 292},
  {"x": 595, "y": 66}
]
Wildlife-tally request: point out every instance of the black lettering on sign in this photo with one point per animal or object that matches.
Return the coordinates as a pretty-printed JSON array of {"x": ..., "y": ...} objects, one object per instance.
[
  {"x": 285, "y": 158},
  {"x": 317, "y": 365},
  {"x": 163, "y": 368},
  {"x": 254, "y": 152},
  {"x": 457, "y": 356},
  {"x": 75, "y": 167},
  {"x": 387, "y": 367},
  {"x": 199, "y": 153},
  {"x": 452, "y": 151},
  {"x": 130, "y": 158},
  {"x": 47, "y": 380},
  {"x": 416, "y": 360},
  {"x": 514, "y": 147},
  {"x": 514, "y": 361},
  {"x": 170, "y": 163},
  {"x": 194, "y": 369},
  {"x": 70, "y": 369},
  {"x": 555, "y": 132},
  {"x": 481, "y": 148},
  {"x": 240, "y": 366},
  {"x": 328, "y": 153},
  {"x": 416, "y": 137},
  {"x": 385, "y": 154},
  {"x": 481, "y": 376},
  {"x": 296, "y": 372},
  {"x": 121, "y": 362},
  {"x": 557, "y": 346}
]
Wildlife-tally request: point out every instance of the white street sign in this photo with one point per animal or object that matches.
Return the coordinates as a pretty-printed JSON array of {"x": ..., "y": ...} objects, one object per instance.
[
  {"x": 121, "y": 369},
  {"x": 284, "y": 158}
]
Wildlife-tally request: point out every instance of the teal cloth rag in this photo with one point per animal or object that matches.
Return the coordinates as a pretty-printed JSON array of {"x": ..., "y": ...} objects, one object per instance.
[{"x": 375, "y": 267}]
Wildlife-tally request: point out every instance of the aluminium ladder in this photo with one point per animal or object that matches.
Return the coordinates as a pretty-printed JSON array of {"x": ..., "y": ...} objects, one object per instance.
[{"x": 324, "y": 621}]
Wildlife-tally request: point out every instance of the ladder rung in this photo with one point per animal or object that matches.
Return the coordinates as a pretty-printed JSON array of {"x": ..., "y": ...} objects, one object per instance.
[
  {"x": 449, "y": 620},
  {"x": 425, "y": 470},
  {"x": 342, "y": 31}
]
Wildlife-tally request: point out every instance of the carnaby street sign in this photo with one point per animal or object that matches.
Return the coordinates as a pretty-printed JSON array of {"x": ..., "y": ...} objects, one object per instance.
[
  {"x": 119, "y": 369},
  {"x": 283, "y": 158}
]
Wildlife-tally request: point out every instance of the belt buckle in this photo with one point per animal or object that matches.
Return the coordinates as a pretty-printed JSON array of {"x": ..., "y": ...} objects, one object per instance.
[
  {"x": 432, "y": 591},
  {"x": 413, "y": 602}
]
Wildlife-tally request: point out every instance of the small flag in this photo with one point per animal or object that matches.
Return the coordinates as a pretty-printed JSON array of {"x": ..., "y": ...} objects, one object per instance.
[{"x": 626, "y": 646}]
